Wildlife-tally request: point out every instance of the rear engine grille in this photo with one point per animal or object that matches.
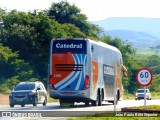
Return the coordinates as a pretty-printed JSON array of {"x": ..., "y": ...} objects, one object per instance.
[{"x": 69, "y": 67}]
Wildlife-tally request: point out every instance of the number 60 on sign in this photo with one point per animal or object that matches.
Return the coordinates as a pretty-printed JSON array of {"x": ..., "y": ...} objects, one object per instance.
[{"x": 144, "y": 76}]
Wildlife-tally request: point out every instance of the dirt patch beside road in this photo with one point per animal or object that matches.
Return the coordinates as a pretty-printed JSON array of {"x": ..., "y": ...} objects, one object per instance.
[{"x": 4, "y": 99}]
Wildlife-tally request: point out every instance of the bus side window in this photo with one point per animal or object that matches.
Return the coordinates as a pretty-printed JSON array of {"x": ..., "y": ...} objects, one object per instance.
[{"x": 92, "y": 48}]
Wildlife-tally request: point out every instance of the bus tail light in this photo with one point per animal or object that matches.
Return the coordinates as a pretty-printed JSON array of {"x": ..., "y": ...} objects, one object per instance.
[
  {"x": 50, "y": 79},
  {"x": 86, "y": 83}
]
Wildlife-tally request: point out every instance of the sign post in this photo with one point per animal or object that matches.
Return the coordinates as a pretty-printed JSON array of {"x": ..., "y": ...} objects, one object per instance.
[
  {"x": 144, "y": 78},
  {"x": 145, "y": 97}
]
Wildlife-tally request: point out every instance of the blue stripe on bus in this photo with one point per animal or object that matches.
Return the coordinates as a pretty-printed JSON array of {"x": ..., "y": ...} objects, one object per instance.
[{"x": 75, "y": 81}]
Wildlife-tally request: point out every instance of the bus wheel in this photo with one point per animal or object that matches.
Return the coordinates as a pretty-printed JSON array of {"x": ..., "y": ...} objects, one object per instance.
[
  {"x": 99, "y": 99},
  {"x": 22, "y": 105},
  {"x": 94, "y": 103},
  {"x": 86, "y": 103}
]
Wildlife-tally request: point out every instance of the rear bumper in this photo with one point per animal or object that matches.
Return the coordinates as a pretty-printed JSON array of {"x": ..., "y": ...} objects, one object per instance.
[
  {"x": 77, "y": 96},
  {"x": 142, "y": 97}
]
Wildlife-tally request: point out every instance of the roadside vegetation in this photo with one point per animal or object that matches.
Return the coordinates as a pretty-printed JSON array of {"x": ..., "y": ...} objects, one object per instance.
[
  {"x": 124, "y": 116},
  {"x": 50, "y": 100},
  {"x": 25, "y": 41},
  {"x": 129, "y": 96},
  {"x": 153, "y": 107},
  {"x": 114, "y": 118}
]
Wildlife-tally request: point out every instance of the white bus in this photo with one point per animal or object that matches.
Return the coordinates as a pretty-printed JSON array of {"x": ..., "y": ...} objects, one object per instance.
[{"x": 83, "y": 70}]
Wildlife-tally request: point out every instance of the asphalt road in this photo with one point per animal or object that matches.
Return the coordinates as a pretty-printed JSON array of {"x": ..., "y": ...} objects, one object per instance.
[{"x": 79, "y": 109}]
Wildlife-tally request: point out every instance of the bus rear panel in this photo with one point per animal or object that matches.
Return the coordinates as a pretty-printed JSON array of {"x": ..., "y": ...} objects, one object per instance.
[{"x": 68, "y": 71}]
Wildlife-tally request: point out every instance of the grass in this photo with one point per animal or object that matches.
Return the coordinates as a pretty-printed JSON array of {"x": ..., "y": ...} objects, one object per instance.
[
  {"x": 124, "y": 115},
  {"x": 155, "y": 95},
  {"x": 115, "y": 118},
  {"x": 128, "y": 96},
  {"x": 153, "y": 107},
  {"x": 51, "y": 99}
]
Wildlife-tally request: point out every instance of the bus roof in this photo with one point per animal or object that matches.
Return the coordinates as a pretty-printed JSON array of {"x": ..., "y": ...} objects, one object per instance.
[
  {"x": 105, "y": 45},
  {"x": 92, "y": 41}
]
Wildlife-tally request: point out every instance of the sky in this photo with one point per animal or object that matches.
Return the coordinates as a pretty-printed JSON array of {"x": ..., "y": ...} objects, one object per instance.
[{"x": 95, "y": 10}]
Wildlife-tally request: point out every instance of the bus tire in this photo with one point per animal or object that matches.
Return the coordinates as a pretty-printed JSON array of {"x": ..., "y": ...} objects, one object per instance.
[
  {"x": 99, "y": 98},
  {"x": 98, "y": 101},
  {"x": 22, "y": 105},
  {"x": 94, "y": 103},
  {"x": 87, "y": 103}
]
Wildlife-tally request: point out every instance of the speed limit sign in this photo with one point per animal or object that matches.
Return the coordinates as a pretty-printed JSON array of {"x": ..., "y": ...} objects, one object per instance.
[{"x": 144, "y": 77}]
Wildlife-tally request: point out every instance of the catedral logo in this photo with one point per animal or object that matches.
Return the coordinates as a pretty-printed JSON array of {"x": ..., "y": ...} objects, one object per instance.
[{"x": 59, "y": 45}]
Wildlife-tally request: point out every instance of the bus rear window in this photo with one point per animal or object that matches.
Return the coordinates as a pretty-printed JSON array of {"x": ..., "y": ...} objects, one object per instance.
[{"x": 73, "y": 46}]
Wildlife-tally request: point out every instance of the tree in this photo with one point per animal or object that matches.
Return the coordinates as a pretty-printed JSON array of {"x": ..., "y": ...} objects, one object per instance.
[
  {"x": 73, "y": 31},
  {"x": 153, "y": 60},
  {"x": 63, "y": 12},
  {"x": 154, "y": 86},
  {"x": 13, "y": 70},
  {"x": 30, "y": 34},
  {"x": 2, "y": 14}
]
